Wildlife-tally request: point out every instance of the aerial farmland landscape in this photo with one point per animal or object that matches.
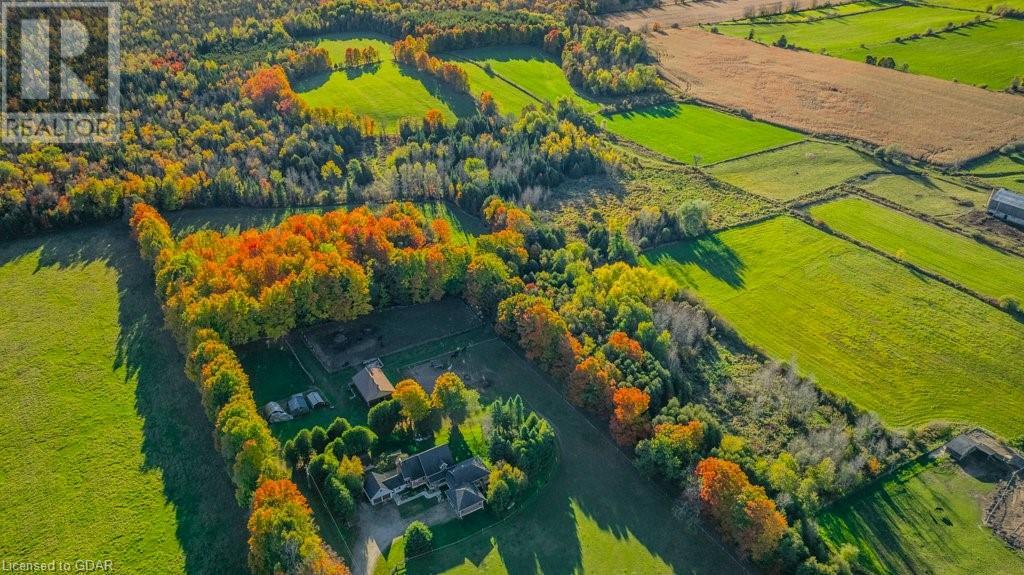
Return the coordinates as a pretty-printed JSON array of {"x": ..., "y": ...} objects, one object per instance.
[{"x": 330, "y": 287}]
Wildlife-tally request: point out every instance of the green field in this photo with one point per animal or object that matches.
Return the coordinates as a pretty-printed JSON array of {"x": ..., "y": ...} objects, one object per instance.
[
  {"x": 1000, "y": 164},
  {"x": 685, "y": 132},
  {"x": 387, "y": 91},
  {"x": 596, "y": 515},
  {"x": 794, "y": 171},
  {"x": 927, "y": 518},
  {"x": 928, "y": 195},
  {"x": 105, "y": 452},
  {"x": 989, "y": 54},
  {"x": 953, "y": 256},
  {"x": 815, "y": 13},
  {"x": 897, "y": 343},
  {"x": 977, "y": 5},
  {"x": 519, "y": 75}
]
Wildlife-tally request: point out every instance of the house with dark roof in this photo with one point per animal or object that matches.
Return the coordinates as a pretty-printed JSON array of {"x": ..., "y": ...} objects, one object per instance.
[
  {"x": 462, "y": 483},
  {"x": 1007, "y": 206},
  {"x": 371, "y": 383}
]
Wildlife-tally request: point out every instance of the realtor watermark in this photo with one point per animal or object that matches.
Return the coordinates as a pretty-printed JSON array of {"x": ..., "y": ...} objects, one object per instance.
[
  {"x": 61, "y": 72},
  {"x": 57, "y": 566}
]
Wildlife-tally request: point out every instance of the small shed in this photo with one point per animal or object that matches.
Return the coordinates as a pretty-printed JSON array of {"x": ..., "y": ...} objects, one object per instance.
[
  {"x": 297, "y": 405},
  {"x": 372, "y": 384},
  {"x": 316, "y": 400},
  {"x": 274, "y": 413},
  {"x": 1007, "y": 206}
]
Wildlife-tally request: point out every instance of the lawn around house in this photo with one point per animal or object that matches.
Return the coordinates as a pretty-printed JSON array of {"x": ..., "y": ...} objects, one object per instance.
[
  {"x": 795, "y": 171},
  {"x": 925, "y": 518},
  {"x": 105, "y": 452},
  {"x": 953, "y": 256},
  {"x": 595, "y": 515},
  {"x": 896, "y": 343},
  {"x": 685, "y": 132},
  {"x": 386, "y": 91}
]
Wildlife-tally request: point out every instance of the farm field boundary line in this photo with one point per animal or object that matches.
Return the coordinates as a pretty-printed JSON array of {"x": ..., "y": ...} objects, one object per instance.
[
  {"x": 501, "y": 77},
  {"x": 811, "y": 221},
  {"x": 657, "y": 488},
  {"x": 856, "y": 101},
  {"x": 826, "y": 17},
  {"x": 695, "y": 13},
  {"x": 932, "y": 220}
]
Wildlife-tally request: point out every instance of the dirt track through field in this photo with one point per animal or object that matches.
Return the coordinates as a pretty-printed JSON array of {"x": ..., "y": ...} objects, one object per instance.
[
  {"x": 707, "y": 12},
  {"x": 930, "y": 119}
]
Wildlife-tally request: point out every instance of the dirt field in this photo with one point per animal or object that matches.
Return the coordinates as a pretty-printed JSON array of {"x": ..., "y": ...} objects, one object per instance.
[
  {"x": 707, "y": 12},
  {"x": 1005, "y": 514},
  {"x": 934, "y": 120}
]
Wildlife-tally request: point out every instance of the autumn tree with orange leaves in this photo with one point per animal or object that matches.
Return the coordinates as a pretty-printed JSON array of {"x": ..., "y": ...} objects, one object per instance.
[
  {"x": 741, "y": 511},
  {"x": 592, "y": 385},
  {"x": 630, "y": 422}
]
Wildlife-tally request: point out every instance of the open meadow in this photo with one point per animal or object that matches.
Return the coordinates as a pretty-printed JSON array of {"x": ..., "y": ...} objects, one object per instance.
[
  {"x": 385, "y": 91},
  {"x": 696, "y": 134},
  {"x": 987, "y": 54},
  {"x": 896, "y": 343},
  {"x": 959, "y": 258},
  {"x": 926, "y": 194},
  {"x": 925, "y": 518},
  {"x": 928, "y": 118},
  {"x": 105, "y": 452},
  {"x": 595, "y": 515},
  {"x": 795, "y": 171}
]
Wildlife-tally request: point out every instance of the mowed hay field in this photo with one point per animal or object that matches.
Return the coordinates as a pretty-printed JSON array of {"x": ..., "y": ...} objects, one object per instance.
[
  {"x": 795, "y": 171},
  {"x": 926, "y": 194},
  {"x": 987, "y": 54},
  {"x": 693, "y": 13},
  {"x": 896, "y": 343},
  {"x": 928, "y": 118},
  {"x": 105, "y": 452},
  {"x": 926, "y": 518},
  {"x": 965, "y": 261},
  {"x": 386, "y": 91},
  {"x": 683, "y": 131},
  {"x": 517, "y": 76}
]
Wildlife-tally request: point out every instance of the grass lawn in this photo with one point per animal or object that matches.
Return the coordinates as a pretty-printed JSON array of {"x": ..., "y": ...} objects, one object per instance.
[
  {"x": 518, "y": 69},
  {"x": 106, "y": 452},
  {"x": 926, "y": 194},
  {"x": 926, "y": 518},
  {"x": 904, "y": 346},
  {"x": 989, "y": 54},
  {"x": 977, "y": 5},
  {"x": 1001, "y": 164},
  {"x": 794, "y": 171},
  {"x": 685, "y": 131},
  {"x": 1014, "y": 182},
  {"x": 387, "y": 91},
  {"x": 596, "y": 515},
  {"x": 953, "y": 256}
]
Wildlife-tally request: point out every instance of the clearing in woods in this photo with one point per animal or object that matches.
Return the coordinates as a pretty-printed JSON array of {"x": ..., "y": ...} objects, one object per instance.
[
  {"x": 385, "y": 91},
  {"x": 105, "y": 452},
  {"x": 686, "y": 133},
  {"x": 795, "y": 171},
  {"x": 925, "y": 518},
  {"x": 984, "y": 54},
  {"x": 963, "y": 260},
  {"x": 897, "y": 343},
  {"x": 839, "y": 97}
]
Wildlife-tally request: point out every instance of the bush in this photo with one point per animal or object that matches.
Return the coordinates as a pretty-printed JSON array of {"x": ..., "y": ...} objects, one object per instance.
[
  {"x": 338, "y": 427},
  {"x": 319, "y": 439},
  {"x": 419, "y": 539},
  {"x": 340, "y": 500},
  {"x": 504, "y": 487},
  {"x": 1010, "y": 304},
  {"x": 359, "y": 440},
  {"x": 384, "y": 416},
  {"x": 322, "y": 467}
]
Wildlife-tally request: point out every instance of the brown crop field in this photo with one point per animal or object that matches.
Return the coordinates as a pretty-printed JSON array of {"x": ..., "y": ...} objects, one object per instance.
[
  {"x": 707, "y": 12},
  {"x": 934, "y": 120}
]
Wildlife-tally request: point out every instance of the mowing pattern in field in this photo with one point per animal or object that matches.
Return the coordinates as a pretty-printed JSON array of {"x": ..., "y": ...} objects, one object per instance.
[
  {"x": 596, "y": 515},
  {"x": 988, "y": 54},
  {"x": 953, "y": 256},
  {"x": 925, "y": 519},
  {"x": 517, "y": 76},
  {"x": 896, "y": 343},
  {"x": 685, "y": 132},
  {"x": 386, "y": 91},
  {"x": 794, "y": 171},
  {"x": 104, "y": 449},
  {"x": 928, "y": 195},
  {"x": 928, "y": 118}
]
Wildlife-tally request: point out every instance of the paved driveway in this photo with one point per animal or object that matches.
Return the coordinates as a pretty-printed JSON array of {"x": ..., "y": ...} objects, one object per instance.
[{"x": 380, "y": 525}]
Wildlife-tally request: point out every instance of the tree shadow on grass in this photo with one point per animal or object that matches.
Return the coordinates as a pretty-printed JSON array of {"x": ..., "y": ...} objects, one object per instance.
[
  {"x": 709, "y": 253},
  {"x": 463, "y": 105},
  {"x": 177, "y": 437}
]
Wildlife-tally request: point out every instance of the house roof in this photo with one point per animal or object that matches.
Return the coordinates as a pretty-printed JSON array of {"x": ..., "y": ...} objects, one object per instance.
[
  {"x": 427, "y": 464},
  {"x": 1005, "y": 197},
  {"x": 468, "y": 471},
  {"x": 374, "y": 483},
  {"x": 961, "y": 445},
  {"x": 372, "y": 384},
  {"x": 464, "y": 497}
]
